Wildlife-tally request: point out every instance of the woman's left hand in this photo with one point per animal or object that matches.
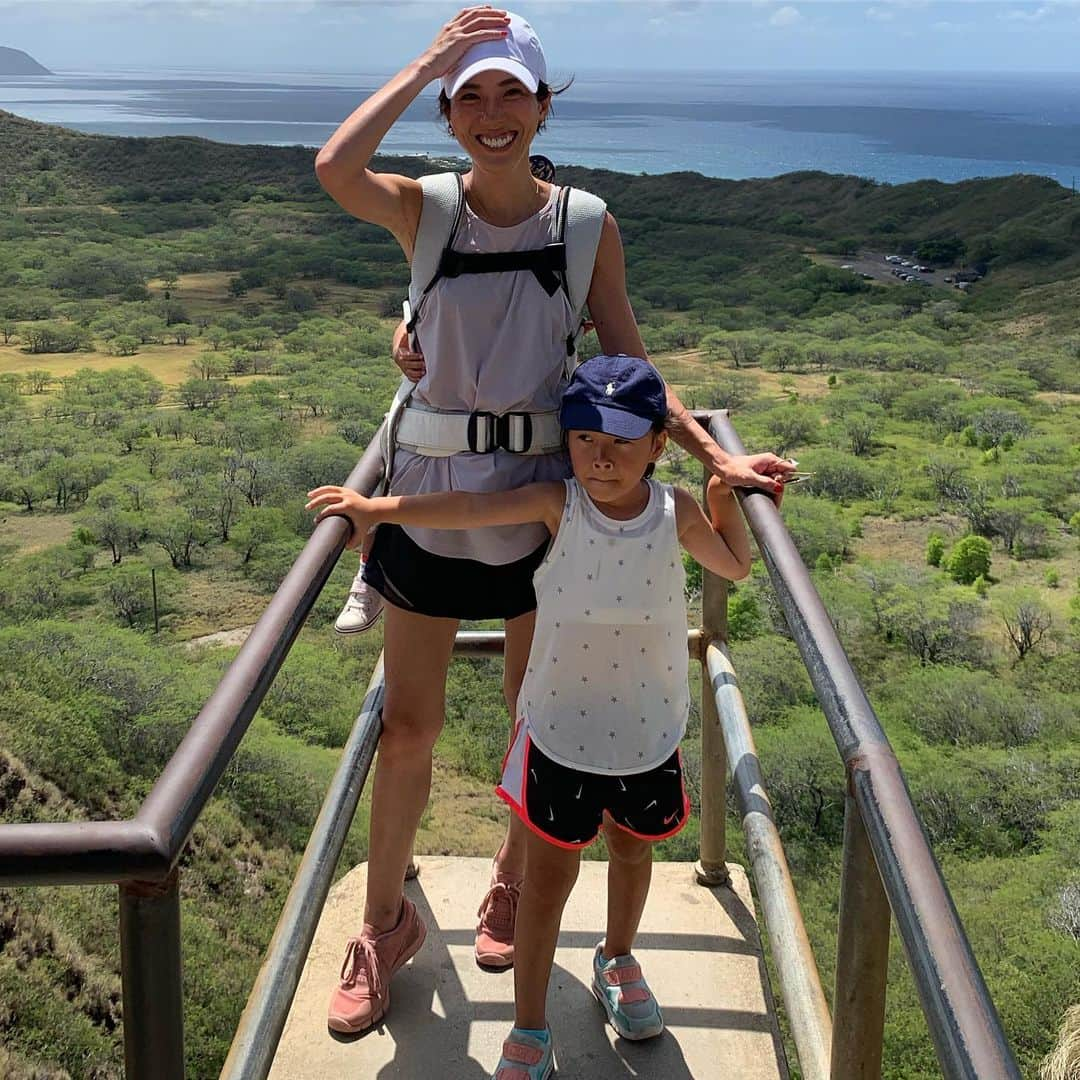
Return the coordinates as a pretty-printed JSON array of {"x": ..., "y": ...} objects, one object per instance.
[{"x": 764, "y": 471}]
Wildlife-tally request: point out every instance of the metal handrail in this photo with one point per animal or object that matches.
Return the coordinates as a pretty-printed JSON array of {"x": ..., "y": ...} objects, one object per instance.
[
  {"x": 793, "y": 956},
  {"x": 147, "y": 847},
  {"x": 963, "y": 1022},
  {"x": 141, "y": 854}
]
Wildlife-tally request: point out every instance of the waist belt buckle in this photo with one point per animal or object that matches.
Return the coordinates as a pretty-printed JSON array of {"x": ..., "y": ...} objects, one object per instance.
[
  {"x": 482, "y": 432},
  {"x": 513, "y": 432}
]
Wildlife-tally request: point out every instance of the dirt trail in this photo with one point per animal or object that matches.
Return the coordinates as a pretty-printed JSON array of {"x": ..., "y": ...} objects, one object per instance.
[{"x": 236, "y": 636}]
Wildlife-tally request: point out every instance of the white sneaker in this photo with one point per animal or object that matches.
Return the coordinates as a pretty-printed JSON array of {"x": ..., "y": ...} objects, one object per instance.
[{"x": 362, "y": 608}]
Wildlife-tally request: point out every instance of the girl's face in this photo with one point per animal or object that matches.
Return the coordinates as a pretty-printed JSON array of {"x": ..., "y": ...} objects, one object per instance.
[
  {"x": 610, "y": 468},
  {"x": 494, "y": 117}
]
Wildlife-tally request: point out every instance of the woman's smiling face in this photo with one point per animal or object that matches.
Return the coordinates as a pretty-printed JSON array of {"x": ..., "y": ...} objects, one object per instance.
[{"x": 494, "y": 118}]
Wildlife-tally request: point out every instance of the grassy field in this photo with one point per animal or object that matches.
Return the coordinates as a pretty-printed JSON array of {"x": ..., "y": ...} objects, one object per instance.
[{"x": 27, "y": 533}]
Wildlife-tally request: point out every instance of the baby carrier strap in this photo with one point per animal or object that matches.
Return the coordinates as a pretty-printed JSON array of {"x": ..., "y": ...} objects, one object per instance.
[
  {"x": 584, "y": 221},
  {"x": 568, "y": 260},
  {"x": 440, "y": 219}
]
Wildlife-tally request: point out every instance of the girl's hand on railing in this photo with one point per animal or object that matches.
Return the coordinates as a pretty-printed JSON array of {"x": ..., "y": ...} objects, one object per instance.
[
  {"x": 467, "y": 28},
  {"x": 343, "y": 502}
]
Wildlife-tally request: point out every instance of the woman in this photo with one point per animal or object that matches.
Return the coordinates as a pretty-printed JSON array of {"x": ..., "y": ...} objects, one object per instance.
[{"x": 492, "y": 345}]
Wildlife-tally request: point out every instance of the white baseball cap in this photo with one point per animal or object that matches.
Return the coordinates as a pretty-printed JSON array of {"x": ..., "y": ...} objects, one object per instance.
[{"x": 519, "y": 54}]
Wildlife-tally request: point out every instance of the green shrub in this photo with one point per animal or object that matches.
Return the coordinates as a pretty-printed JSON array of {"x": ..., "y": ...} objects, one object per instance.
[
  {"x": 960, "y": 707},
  {"x": 935, "y": 549},
  {"x": 969, "y": 559}
]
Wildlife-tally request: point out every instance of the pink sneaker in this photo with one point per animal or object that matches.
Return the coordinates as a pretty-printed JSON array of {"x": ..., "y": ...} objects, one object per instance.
[
  {"x": 495, "y": 930},
  {"x": 363, "y": 995}
]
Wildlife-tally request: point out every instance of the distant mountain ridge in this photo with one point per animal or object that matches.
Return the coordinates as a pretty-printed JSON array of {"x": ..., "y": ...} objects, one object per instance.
[
  {"x": 1030, "y": 223},
  {"x": 16, "y": 62}
]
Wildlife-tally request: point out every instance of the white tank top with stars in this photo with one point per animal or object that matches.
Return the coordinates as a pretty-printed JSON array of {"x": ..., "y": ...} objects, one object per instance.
[{"x": 605, "y": 689}]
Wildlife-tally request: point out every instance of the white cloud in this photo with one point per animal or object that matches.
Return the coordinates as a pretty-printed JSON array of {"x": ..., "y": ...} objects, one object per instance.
[
  {"x": 1028, "y": 14},
  {"x": 879, "y": 14},
  {"x": 786, "y": 16}
]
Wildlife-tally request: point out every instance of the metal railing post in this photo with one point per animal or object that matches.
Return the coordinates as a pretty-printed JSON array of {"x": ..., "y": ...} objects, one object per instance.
[
  {"x": 862, "y": 957},
  {"x": 711, "y": 868},
  {"x": 150, "y": 967}
]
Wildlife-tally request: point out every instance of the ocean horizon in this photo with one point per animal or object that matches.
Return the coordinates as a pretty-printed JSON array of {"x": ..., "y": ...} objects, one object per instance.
[{"x": 889, "y": 126}]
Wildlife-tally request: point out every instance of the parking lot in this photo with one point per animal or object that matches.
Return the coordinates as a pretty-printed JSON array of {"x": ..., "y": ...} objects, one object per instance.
[{"x": 872, "y": 264}]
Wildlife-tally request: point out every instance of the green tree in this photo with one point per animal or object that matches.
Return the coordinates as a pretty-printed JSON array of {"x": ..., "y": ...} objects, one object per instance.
[
  {"x": 129, "y": 593},
  {"x": 792, "y": 426},
  {"x": 969, "y": 559}
]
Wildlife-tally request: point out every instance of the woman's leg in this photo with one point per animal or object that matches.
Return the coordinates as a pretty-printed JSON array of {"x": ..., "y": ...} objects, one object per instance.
[
  {"x": 629, "y": 875},
  {"x": 510, "y": 859},
  {"x": 550, "y": 873},
  {"x": 417, "y": 651}
]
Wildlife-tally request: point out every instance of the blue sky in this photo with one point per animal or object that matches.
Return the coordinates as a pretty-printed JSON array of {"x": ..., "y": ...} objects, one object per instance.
[{"x": 372, "y": 36}]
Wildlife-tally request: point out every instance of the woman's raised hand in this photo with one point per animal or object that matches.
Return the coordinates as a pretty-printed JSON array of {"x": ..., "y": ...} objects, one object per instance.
[{"x": 468, "y": 28}]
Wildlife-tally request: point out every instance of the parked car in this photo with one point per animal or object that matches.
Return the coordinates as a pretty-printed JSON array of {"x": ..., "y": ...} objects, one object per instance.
[{"x": 949, "y": 280}]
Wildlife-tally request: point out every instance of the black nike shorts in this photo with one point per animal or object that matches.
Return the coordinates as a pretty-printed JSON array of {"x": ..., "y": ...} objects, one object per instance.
[
  {"x": 566, "y": 806},
  {"x": 407, "y": 576}
]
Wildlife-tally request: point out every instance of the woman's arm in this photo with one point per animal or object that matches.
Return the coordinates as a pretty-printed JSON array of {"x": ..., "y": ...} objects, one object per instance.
[
  {"x": 442, "y": 510},
  {"x": 342, "y": 164},
  {"x": 617, "y": 329},
  {"x": 721, "y": 545}
]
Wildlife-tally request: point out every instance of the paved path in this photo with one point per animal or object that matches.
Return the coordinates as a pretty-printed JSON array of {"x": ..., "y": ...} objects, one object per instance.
[{"x": 699, "y": 948}]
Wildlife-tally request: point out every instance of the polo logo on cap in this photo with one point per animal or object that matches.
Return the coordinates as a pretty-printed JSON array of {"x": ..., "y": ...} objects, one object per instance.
[{"x": 610, "y": 389}]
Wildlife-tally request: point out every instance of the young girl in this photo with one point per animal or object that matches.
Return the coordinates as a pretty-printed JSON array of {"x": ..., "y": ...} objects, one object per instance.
[{"x": 604, "y": 700}]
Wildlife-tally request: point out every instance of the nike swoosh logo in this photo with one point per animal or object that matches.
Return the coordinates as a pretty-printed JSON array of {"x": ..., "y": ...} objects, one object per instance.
[
  {"x": 579, "y": 791},
  {"x": 651, "y": 805},
  {"x": 551, "y": 814},
  {"x": 673, "y": 817}
]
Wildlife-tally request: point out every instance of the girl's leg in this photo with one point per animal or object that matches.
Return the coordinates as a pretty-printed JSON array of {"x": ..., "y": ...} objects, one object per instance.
[
  {"x": 550, "y": 873},
  {"x": 510, "y": 859},
  {"x": 618, "y": 983},
  {"x": 629, "y": 875},
  {"x": 417, "y": 651}
]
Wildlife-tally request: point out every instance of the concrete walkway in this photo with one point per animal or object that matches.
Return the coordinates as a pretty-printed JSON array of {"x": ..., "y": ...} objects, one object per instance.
[{"x": 698, "y": 947}]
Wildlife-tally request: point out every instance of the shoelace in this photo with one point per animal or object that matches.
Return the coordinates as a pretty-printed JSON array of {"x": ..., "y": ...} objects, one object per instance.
[
  {"x": 498, "y": 907},
  {"x": 361, "y": 963}
]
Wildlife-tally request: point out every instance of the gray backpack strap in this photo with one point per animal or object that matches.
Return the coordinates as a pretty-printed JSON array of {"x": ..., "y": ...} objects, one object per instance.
[
  {"x": 585, "y": 214},
  {"x": 440, "y": 215}
]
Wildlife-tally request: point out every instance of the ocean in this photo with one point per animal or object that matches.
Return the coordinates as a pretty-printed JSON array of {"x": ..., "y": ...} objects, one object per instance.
[{"x": 889, "y": 126}]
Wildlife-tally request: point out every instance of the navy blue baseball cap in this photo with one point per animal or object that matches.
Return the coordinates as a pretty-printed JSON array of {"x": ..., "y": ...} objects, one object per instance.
[{"x": 618, "y": 395}]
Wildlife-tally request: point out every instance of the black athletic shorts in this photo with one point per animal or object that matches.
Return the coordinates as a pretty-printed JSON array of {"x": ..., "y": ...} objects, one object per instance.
[
  {"x": 566, "y": 806},
  {"x": 407, "y": 576}
]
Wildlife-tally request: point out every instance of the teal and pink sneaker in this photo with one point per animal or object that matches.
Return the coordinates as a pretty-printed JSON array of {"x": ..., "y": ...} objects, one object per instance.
[
  {"x": 629, "y": 1003},
  {"x": 525, "y": 1057}
]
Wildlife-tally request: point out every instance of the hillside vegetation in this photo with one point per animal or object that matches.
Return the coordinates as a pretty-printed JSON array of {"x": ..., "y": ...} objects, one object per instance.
[{"x": 193, "y": 335}]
